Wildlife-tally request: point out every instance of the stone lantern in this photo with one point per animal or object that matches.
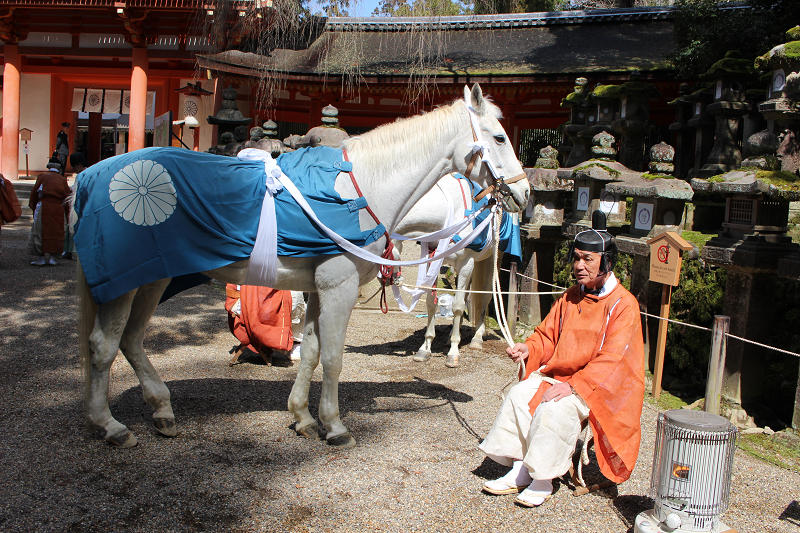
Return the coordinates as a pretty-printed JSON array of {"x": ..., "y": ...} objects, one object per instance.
[
  {"x": 703, "y": 125},
  {"x": 229, "y": 116},
  {"x": 634, "y": 124},
  {"x": 581, "y": 108},
  {"x": 684, "y": 133},
  {"x": 752, "y": 242},
  {"x": 782, "y": 107},
  {"x": 607, "y": 99},
  {"x": 729, "y": 78},
  {"x": 541, "y": 233},
  {"x": 590, "y": 179},
  {"x": 658, "y": 201}
]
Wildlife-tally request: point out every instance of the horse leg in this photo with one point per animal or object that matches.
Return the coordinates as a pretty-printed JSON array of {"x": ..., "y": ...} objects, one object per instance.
[
  {"x": 103, "y": 347},
  {"x": 482, "y": 277},
  {"x": 338, "y": 303},
  {"x": 459, "y": 305},
  {"x": 306, "y": 426},
  {"x": 154, "y": 390},
  {"x": 424, "y": 352}
]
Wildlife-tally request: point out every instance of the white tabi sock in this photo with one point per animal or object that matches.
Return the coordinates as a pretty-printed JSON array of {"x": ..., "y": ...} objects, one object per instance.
[{"x": 518, "y": 474}]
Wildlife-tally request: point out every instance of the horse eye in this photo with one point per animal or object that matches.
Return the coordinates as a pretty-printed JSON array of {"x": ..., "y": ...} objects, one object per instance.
[{"x": 500, "y": 139}]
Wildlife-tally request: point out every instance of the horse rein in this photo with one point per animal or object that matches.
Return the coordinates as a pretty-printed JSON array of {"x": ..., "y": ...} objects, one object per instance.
[
  {"x": 386, "y": 272},
  {"x": 499, "y": 185}
]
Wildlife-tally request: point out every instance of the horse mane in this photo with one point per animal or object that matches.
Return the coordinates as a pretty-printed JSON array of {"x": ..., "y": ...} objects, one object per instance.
[{"x": 412, "y": 135}]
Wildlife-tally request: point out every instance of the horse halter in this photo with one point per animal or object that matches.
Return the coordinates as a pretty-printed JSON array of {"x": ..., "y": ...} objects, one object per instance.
[{"x": 499, "y": 186}]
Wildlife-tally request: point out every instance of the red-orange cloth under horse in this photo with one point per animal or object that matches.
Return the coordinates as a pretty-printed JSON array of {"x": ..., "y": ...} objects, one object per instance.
[
  {"x": 595, "y": 344},
  {"x": 265, "y": 320}
]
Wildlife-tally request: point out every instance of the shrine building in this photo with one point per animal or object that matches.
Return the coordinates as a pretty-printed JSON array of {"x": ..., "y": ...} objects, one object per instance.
[{"x": 110, "y": 68}]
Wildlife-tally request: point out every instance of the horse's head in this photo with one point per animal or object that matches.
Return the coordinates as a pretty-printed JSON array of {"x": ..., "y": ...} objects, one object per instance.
[{"x": 490, "y": 159}]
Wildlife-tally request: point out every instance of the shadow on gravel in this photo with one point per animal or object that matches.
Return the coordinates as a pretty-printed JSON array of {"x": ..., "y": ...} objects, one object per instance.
[
  {"x": 207, "y": 397},
  {"x": 410, "y": 344},
  {"x": 629, "y": 506}
]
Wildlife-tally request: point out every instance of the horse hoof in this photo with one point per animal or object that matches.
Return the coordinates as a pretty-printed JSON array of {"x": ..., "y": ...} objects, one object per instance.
[
  {"x": 452, "y": 361},
  {"x": 310, "y": 431},
  {"x": 165, "y": 426},
  {"x": 476, "y": 346},
  {"x": 345, "y": 440},
  {"x": 422, "y": 356},
  {"x": 125, "y": 439}
]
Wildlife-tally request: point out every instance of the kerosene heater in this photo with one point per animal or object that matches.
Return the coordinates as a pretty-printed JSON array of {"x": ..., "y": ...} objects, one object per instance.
[{"x": 691, "y": 480}]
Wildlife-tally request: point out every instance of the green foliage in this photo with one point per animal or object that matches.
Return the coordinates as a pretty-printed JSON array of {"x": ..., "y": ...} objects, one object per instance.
[
  {"x": 488, "y": 7},
  {"x": 696, "y": 300},
  {"x": 421, "y": 8},
  {"x": 562, "y": 267},
  {"x": 772, "y": 449},
  {"x": 698, "y": 238},
  {"x": 704, "y": 32}
]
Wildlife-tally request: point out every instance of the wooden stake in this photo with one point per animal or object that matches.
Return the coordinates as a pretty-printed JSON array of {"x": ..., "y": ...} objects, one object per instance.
[
  {"x": 661, "y": 347},
  {"x": 716, "y": 363}
]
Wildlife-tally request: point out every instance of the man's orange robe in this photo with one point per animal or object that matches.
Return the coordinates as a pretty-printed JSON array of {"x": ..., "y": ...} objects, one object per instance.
[
  {"x": 595, "y": 344},
  {"x": 266, "y": 317}
]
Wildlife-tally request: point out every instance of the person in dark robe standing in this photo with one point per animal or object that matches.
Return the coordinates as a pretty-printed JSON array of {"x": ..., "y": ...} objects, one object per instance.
[
  {"x": 49, "y": 211},
  {"x": 62, "y": 146}
]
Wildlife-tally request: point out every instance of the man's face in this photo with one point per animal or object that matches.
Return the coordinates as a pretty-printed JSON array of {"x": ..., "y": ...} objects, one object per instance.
[{"x": 586, "y": 267}]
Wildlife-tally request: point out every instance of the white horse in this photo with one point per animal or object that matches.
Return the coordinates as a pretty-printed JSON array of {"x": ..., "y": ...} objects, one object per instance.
[
  {"x": 395, "y": 165},
  {"x": 473, "y": 268}
]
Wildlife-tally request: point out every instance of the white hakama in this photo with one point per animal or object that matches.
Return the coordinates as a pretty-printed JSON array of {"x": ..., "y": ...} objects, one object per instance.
[{"x": 545, "y": 442}]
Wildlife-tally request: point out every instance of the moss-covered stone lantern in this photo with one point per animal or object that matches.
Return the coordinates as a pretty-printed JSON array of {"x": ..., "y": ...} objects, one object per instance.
[
  {"x": 752, "y": 242},
  {"x": 703, "y": 125},
  {"x": 634, "y": 122},
  {"x": 541, "y": 233},
  {"x": 581, "y": 108},
  {"x": 684, "y": 133},
  {"x": 729, "y": 78},
  {"x": 589, "y": 195},
  {"x": 658, "y": 206},
  {"x": 782, "y": 108}
]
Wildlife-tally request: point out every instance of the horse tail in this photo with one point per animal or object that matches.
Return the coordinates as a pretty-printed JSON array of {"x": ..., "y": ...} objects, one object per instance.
[
  {"x": 73, "y": 217},
  {"x": 87, "y": 311}
]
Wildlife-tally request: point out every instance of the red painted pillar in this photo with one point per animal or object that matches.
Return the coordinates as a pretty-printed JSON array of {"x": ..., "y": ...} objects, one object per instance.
[
  {"x": 136, "y": 120},
  {"x": 11, "y": 75}
]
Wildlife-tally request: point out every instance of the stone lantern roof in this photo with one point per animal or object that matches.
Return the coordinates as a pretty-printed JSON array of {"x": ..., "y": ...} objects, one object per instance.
[
  {"x": 652, "y": 186},
  {"x": 731, "y": 65},
  {"x": 777, "y": 185},
  {"x": 783, "y": 54}
]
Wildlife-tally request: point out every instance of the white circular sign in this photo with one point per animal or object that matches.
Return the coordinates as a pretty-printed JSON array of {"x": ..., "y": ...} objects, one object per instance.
[{"x": 143, "y": 193}]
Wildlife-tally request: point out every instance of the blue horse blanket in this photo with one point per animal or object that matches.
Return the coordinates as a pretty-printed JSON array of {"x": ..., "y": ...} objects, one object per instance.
[
  {"x": 510, "y": 238},
  {"x": 168, "y": 212}
]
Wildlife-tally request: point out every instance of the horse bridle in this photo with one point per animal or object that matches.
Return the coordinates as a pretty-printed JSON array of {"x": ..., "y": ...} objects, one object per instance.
[{"x": 499, "y": 186}]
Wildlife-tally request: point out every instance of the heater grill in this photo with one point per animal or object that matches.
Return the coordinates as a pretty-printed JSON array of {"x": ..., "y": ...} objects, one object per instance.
[{"x": 692, "y": 468}]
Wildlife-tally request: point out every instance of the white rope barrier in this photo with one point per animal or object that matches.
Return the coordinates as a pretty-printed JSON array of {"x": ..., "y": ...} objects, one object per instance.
[
  {"x": 675, "y": 321},
  {"x": 763, "y": 345}
]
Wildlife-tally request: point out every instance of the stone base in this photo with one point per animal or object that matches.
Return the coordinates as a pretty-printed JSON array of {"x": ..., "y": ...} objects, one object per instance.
[
  {"x": 753, "y": 254},
  {"x": 789, "y": 267}
]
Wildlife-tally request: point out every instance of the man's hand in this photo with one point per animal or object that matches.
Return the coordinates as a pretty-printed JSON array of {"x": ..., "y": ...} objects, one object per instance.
[
  {"x": 519, "y": 352},
  {"x": 556, "y": 392}
]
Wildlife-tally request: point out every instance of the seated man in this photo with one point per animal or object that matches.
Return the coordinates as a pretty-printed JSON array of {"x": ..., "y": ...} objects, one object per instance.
[{"x": 591, "y": 343}]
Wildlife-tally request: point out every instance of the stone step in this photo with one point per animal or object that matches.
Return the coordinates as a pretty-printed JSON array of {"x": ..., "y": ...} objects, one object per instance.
[{"x": 23, "y": 191}]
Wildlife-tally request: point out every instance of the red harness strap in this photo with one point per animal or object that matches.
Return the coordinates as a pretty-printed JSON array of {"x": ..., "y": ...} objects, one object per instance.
[{"x": 386, "y": 271}]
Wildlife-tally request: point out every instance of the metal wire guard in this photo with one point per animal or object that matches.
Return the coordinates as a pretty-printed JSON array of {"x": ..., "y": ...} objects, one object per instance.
[{"x": 692, "y": 467}]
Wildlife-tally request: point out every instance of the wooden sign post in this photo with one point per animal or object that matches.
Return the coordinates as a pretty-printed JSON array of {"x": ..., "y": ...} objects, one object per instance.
[
  {"x": 666, "y": 258},
  {"x": 25, "y": 135}
]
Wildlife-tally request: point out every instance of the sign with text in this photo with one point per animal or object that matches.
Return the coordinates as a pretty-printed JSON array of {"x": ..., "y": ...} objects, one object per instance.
[{"x": 666, "y": 257}]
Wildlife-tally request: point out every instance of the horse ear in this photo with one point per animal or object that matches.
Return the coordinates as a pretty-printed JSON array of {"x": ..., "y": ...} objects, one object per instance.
[{"x": 478, "y": 102}]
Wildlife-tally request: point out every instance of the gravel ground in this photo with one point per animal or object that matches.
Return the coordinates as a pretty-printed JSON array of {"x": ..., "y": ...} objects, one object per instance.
[{"x": 236, "y": 464}]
